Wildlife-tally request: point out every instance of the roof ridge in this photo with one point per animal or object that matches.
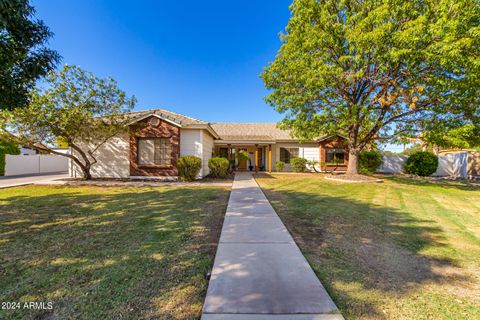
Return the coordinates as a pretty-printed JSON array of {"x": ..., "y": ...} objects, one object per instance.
[
  {"x": 244, "y": 123},
  {"x": 180, "y": 114}
]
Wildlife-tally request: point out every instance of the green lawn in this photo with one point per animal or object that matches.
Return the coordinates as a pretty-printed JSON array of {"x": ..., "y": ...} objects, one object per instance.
[
  {"x": 108, "y": 253},
  {"x": 402, "y": 249}
]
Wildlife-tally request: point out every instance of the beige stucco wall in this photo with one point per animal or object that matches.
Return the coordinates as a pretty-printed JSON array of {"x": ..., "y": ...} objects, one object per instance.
[
  {"x": 112, "y": 159},
  {"x": 190, "y": 143},
  {"x": 198, "y": 143},
  {"x": 309, "y": 151},
  {"x": 207, "y": 150}
]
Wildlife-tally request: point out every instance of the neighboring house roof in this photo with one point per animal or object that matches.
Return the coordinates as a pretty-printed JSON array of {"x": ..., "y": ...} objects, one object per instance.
[{"x": 251, "y": 131}]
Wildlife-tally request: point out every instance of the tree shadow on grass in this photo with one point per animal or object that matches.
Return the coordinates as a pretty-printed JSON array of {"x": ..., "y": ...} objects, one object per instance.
[
  {"x": 460, "y": 184},
  {"x": 358, "y": 248},
  {"x": 131, "y": 253}
]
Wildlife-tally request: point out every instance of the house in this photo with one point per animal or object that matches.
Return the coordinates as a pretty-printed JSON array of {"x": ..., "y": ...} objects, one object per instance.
[{"x": 155, "y": 139}]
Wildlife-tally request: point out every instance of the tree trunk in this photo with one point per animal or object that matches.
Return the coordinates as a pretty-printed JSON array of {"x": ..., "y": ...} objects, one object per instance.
[
  {"x": 352, "y": 161},
  {"x": 87, "y": 175},
  {"x": 86, "y": 172}
]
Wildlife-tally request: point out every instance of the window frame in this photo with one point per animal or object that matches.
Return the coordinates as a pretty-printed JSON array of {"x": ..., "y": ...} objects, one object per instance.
[
  {"x": 156, "y": 157},
  {"x": 335, "y": 151},
  {"x": 290, "y": 156}
]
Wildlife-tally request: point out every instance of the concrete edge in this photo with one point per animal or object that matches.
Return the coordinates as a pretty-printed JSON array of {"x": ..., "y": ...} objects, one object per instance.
[
  {"x": 17, "y": 185},
  {"x": 306, "y": 261},
  {"x": 231, "y": 316}
]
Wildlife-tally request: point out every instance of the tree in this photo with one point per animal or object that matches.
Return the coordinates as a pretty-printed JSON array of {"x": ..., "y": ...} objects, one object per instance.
[
  {"x": 6, "y": 147},
  {"x": 24, "y": 57},
  {"x": 376, "y": 70},
  {"x": 464, "y": 137},
  {"x": 412, "y": 150},
  {"x": 76, "y": 107}
]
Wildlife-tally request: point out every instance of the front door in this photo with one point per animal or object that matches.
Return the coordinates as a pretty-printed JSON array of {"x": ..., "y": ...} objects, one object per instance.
[{"x": 242, "y": 164}]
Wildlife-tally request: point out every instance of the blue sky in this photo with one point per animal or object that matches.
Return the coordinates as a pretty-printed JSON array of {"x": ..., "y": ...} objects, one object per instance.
[{"x": 200, "y": 58}]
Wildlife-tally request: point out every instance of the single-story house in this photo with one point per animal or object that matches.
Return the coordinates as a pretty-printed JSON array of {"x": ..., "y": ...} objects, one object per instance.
[{"x": 155, "y": 139}]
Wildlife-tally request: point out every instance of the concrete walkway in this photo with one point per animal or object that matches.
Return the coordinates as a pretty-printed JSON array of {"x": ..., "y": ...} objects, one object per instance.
[{"x": 259, "y": 272}]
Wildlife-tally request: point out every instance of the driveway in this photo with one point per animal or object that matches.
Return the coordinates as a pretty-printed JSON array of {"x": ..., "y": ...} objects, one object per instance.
[{"x": 49, "y": 178}]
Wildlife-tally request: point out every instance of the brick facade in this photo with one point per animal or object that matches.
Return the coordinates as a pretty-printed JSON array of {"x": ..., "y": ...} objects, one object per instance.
[
  {"x": 143, "y": 129},
  {"x": 334, "y": 143}
]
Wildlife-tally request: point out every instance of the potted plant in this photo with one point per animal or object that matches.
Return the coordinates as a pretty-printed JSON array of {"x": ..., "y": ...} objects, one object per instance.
[
  {"x": 250, "y": 166},
  {"x": 243, "y": 156}
]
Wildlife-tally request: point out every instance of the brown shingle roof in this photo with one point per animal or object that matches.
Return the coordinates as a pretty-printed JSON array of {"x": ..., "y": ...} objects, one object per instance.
[
  {"x": 232, "y": 131},
  {"x": 250, "y": 131},
  {"x": 172, "y": 116}
]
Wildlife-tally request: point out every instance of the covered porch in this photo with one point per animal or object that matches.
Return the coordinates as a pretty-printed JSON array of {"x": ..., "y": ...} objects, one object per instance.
[{"x": 259, "y": 155}]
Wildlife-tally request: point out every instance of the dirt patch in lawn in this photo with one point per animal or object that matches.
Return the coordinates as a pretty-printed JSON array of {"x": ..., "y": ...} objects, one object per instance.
[{"x": 353, "y": 178}]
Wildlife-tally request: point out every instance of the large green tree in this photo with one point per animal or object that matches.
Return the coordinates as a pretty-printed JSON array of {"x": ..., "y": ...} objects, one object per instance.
[
  {"x": 74, "y": 107},
  {"x": 463, "y": 137},
  {"x": 24, "y": 57},
  {"x": 375, "y": 70}
]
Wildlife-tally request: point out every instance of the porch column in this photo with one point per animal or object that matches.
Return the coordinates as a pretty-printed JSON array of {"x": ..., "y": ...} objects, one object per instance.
[
  {"x": 256, "y": 158},
  {"x": 269, "y": 158}
]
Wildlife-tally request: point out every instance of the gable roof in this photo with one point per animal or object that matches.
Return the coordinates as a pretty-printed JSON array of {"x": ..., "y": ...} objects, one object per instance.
[
  {"x": 174, "y": 117},
  {"x": 232, "y": 131},
  {"x": 228, "y": 131},
  {"x": 266, "y": 131}
]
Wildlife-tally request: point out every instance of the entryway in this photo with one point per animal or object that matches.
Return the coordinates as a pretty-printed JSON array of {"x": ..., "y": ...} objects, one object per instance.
[{"x": 259, "y": 156}]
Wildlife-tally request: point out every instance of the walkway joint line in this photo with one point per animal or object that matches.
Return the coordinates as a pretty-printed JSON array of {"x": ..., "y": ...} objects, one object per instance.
[{"x": 259, "y": 272}]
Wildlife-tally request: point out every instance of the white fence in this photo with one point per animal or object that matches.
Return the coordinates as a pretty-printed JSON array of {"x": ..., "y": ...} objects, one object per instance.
[
  {"x": 34, "y": 164},
  {"x": 451, "y": 165},
  {"x": 392, "y": 164}
]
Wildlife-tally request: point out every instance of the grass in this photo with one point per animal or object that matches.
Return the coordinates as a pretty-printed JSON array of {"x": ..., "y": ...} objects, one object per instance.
[
  {"x": 108, "y": 253},
  {"x": 402, "y": 249}
]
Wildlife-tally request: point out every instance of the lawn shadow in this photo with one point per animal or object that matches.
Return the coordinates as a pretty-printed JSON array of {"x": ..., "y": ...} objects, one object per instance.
[
  {"x": 460, "y": 184},
  {"x": 135, "y": 252},
  {"x": 351, "y": 244}
]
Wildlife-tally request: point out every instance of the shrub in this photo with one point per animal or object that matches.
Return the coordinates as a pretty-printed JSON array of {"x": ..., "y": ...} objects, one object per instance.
[
  {"x": 189, "y": 167},
  {"x": 279, "y": 166},
  {"x": 6, "y": 148},
  {"x": 369, "y": 161},
  {"x": 218, "y": 167},
  {"x": 298, "y": 164},
  {"x": 422, "y": 164},
  {"x": 313, "y": 165},
  {"x": 243, "y": 156},
  {"x": 232, "y": 164}
]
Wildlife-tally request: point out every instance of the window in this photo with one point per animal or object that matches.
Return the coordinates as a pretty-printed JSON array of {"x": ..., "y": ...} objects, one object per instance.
[
  {"x": 288, "y": 153},
  {"x": 154, "y": 151},
  {"x": 260, "y": 157},
  {"x": 223, "y": 152},
  {"x": 335, "y": 156}
]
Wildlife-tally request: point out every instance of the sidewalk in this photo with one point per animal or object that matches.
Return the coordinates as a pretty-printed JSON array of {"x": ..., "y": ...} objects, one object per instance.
[
  {"x": 259, "y": 272},
  {"x": 23, "y": 180}
]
